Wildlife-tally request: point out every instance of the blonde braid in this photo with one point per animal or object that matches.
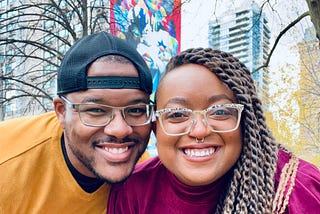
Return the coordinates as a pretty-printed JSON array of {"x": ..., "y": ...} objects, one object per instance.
[{"x": 287, "y": 178}]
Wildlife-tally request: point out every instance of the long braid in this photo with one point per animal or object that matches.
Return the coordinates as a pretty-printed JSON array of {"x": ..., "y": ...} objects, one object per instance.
[{"x": 251, "y": 188}]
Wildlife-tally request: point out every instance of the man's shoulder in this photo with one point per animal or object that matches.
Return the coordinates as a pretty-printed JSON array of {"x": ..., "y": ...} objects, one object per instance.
[
  {"x": 21, "y": 134},
  {"x": 27, "y": 120}
]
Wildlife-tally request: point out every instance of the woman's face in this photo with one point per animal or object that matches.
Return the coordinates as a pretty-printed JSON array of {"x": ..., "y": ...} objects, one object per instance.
[{"x": 196, "y": 163}]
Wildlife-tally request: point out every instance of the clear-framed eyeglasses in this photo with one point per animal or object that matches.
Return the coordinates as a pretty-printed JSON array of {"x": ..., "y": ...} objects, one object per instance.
[
  {"x": 96, "y": 115},
  {"x": 219, "y": 118}
]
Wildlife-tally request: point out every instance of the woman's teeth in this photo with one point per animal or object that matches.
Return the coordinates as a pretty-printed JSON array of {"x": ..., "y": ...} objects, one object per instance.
[{"x": 199, "y": 152}]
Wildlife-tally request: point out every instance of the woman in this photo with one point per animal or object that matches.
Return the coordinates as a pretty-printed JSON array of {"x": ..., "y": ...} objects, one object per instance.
[{"x": 216, "y": 153}]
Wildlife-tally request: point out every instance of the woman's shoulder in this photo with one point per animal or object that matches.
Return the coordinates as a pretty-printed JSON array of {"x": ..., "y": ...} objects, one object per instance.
[
  {"x": 148, "y": 167},
  {"x": 144, "y": 177},
  {"x": 303, "y": 167},
  {"x": 297, "y": 183}
]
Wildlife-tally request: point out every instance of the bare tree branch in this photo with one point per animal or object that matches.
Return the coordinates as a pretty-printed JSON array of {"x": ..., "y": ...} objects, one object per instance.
[
  {"x": 293, "y": 23},
  {"x": 33, "y": 40}
]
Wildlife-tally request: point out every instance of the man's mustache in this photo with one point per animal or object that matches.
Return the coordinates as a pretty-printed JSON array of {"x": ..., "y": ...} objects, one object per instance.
[{"x": 111, "y": 139}]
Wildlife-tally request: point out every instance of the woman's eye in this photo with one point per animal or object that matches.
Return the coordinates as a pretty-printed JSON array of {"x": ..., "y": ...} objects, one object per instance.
[
  {"x": 222, "y": 112},
  {"x": 176, "y": 115}
]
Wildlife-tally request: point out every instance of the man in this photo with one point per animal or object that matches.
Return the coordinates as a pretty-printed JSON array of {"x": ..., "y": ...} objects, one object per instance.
[{"x": 65, "y": 161}]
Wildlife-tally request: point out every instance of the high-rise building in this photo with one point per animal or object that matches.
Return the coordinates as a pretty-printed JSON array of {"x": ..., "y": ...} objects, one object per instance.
[{"x": 244, "y": 33}]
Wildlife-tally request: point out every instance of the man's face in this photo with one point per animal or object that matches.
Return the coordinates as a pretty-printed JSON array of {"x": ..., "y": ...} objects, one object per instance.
[{"x": 109, "y": 152}]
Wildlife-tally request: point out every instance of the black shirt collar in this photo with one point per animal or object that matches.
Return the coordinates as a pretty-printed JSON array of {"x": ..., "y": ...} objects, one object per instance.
[{"x": 88, "y": 184}]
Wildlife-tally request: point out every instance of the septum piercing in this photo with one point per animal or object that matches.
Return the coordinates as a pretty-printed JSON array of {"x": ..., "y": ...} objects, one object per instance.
[{"x": 199, "y": 140}]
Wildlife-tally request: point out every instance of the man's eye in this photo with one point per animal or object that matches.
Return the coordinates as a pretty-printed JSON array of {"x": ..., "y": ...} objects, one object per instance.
[
  {"x": 135, "y": 111},
  {"x": 94, "y": 110}
]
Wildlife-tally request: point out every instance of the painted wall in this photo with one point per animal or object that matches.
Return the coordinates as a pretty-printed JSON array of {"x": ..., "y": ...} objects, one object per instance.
[{"x": 152, "y": 26}]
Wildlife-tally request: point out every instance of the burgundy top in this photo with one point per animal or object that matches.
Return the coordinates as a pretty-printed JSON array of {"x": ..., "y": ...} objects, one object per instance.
[
  {"x": 154, "y": 189},
  {"x": 305, "y": 196}
]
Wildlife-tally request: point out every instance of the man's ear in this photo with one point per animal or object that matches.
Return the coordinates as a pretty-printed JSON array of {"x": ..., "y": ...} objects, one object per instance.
[
  {"x": 59, "y": 108},
  {"x": 154, "y": 126},
  {"x": 154, "y": 123}
]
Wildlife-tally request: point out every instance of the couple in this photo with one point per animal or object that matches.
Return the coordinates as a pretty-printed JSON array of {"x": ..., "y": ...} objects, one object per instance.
[{"x": 216, "y": 154}]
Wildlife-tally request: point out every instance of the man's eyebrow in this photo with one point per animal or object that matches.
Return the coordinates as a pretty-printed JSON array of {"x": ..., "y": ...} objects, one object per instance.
[
  {"x": 140, "y": 100},
  {"x": 101, "y": 101},
  {"x": 91, "y": 100}
]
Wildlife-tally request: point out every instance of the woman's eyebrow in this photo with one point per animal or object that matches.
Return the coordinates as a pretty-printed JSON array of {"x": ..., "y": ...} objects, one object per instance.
[
  {"x": 177, "y": 100},
  {"x": 219, "y": 97},
  {"x": 211, "y": 99}
]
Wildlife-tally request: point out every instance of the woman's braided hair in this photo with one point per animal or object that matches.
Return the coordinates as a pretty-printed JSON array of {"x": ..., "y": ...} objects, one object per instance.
[{"x": 251, "y": 188}]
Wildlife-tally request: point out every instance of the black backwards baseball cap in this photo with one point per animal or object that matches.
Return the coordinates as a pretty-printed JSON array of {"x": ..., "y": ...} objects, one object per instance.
[{"x": 72, "y": 74}]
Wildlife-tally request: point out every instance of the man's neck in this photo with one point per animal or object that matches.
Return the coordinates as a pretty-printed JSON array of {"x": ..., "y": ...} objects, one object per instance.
[{"x": 88, "y": 184}]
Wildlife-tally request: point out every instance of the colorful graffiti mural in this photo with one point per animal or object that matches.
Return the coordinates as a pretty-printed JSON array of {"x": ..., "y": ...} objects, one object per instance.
[{"x": 152, "y": 26}]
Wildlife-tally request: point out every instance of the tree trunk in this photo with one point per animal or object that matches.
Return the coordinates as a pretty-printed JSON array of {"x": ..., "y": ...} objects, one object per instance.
[{"x": 314, "y": 8}]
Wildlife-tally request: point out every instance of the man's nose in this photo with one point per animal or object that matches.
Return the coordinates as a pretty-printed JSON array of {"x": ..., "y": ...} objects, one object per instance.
[{"x": 118, "y": 127}]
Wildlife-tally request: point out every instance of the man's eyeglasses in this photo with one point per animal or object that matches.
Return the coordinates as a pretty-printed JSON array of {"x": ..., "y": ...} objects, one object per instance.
[
  {"x": 219, "y": 118},
  {"x": 92, "y": 114}
]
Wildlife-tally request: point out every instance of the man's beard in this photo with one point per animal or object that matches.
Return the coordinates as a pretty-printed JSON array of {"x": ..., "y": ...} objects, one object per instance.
[{"x": 89, "y": 163}]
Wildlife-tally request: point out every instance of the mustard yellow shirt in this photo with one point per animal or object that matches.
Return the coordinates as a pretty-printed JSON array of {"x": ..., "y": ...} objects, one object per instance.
[{"x": 34, "y": 177}]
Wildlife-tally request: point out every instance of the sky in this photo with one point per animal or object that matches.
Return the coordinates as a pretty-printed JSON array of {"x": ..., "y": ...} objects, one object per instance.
[
  {"x": 194, "y": 32},
  {"x": 196, "y": 15}
]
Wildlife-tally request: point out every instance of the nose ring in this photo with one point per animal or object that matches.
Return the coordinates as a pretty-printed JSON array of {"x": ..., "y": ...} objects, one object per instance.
[{"x": 199, "y": 140}]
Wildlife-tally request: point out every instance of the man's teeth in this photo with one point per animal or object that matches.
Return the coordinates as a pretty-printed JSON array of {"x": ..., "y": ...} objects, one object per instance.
[
  {"x": 199, "y": 152},
  {"x": 116, "y": 150}
]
